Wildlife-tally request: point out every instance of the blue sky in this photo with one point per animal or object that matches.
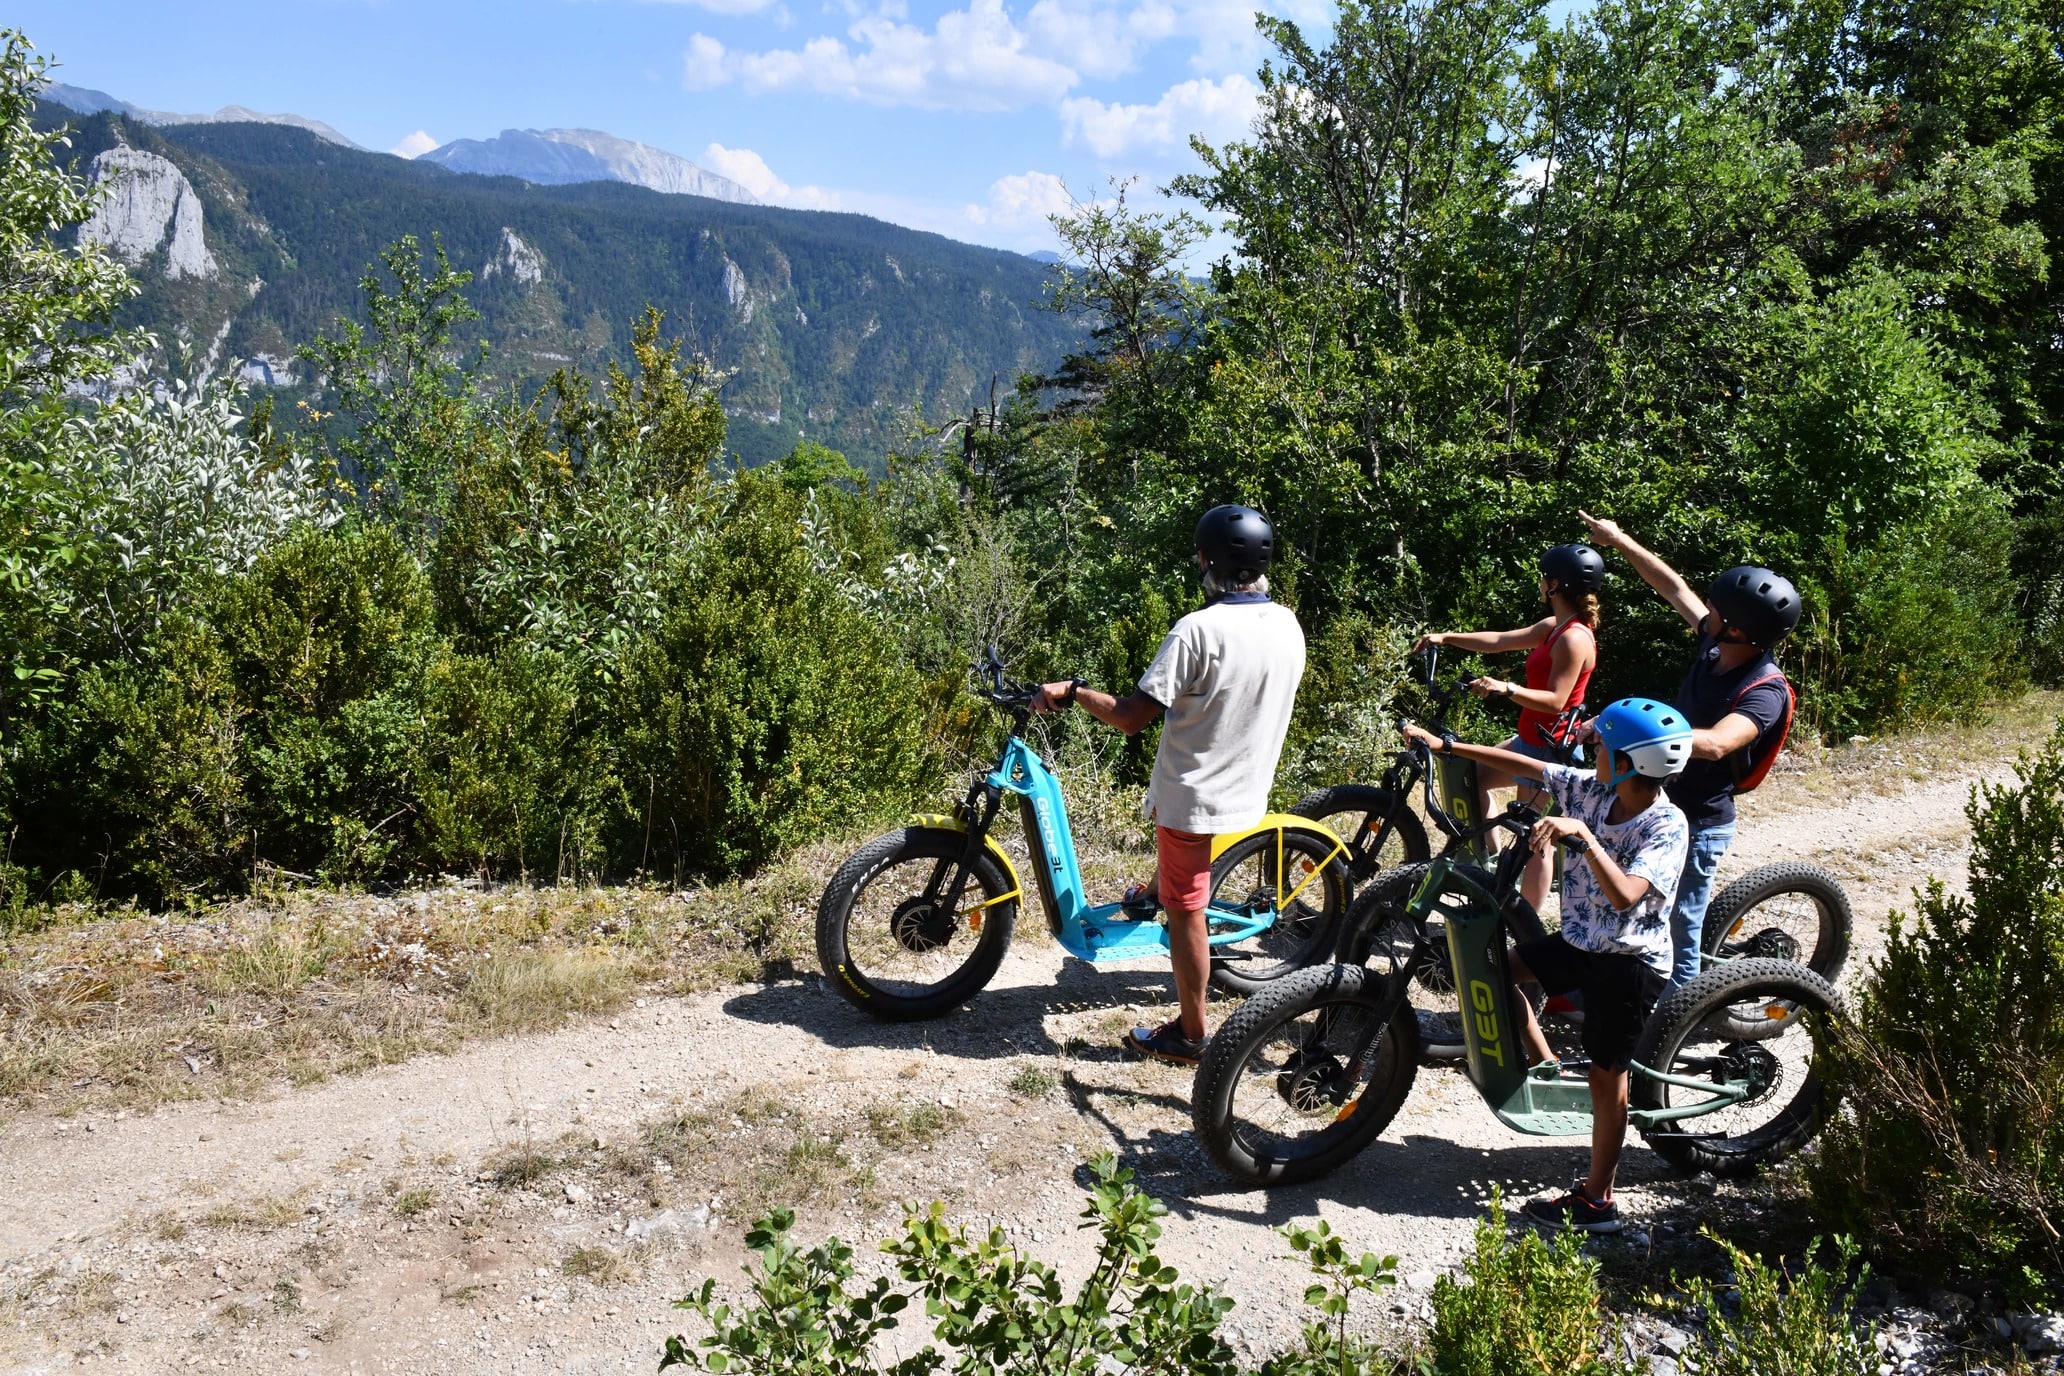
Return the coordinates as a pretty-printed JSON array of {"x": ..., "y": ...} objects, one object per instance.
[{"x": 974, "y": 118}]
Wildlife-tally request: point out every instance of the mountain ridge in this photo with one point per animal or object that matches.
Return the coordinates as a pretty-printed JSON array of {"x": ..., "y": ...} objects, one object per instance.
[
  {"x": 87, "y": 101},
  {"x": 556, "y": 157},
  {"x": 837, "y": 327}
]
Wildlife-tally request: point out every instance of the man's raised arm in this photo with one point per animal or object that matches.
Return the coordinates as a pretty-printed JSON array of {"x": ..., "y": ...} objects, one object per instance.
[{"x": 1654, "y": 572}]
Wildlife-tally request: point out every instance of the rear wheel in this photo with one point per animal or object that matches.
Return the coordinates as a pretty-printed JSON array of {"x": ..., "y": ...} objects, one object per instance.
[
  {"x": 1689, "y": 1035},
  {"x": 1303, "y": 1077},
  {"x": 889, "y": 943},
  {"x": 1298, "y": 877},
  {"x": 1356, "y": 813},
  {"x": 1787, "y": 911}
]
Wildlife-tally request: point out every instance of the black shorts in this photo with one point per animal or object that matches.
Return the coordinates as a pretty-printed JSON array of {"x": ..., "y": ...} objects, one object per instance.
[{"x": 1619, "y": 991}]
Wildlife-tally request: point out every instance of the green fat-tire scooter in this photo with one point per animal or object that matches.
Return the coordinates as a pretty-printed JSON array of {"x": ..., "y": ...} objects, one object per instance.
[{"x": 1312, "y": 1069}]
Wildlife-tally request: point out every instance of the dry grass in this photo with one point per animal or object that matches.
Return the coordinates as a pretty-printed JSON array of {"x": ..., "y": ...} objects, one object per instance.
[
  {"x": 598, "y": 1266},
  {"x": 899, "y": 1126},
  {"x": 1808, "y": 775},
  {"x": 133, "y": 1008}
]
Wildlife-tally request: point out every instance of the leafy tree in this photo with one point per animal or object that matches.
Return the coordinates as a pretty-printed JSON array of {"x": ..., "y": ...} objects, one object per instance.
[{"x": 402, "y": 391}]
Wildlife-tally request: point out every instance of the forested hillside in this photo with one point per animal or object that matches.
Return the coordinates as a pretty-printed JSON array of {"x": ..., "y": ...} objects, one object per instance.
[{"x": 838, "y": 327}]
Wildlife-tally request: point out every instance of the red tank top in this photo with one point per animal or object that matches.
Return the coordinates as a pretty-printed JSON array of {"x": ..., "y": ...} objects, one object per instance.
[{"x": 1540, "y": 670}]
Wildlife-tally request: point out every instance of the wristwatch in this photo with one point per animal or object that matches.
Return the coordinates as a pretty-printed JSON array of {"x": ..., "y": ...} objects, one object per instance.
[
  {"x": 1506, "y": 688},
  {"x": 1447, "y": 742},
  {"x": 1074, "y": 686}
]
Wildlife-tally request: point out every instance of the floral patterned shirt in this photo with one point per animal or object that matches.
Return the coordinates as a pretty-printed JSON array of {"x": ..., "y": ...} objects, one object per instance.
[{"x": 1649, "y": 846}]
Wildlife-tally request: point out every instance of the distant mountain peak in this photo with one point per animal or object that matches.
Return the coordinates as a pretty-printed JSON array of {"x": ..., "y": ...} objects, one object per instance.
[
  {"x": 87, "y": 101},
  {"x": 554, "y": 157}
]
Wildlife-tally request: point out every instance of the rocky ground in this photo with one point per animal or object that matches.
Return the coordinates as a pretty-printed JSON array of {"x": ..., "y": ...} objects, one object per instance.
[{"x": 532, "y": 1203}]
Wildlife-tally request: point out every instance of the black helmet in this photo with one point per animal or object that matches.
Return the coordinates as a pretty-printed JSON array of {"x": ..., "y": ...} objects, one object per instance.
[
  {"x": 1764, "y": 604},
  {"x": 1577, "y": 568},
  {"x": 1237, "y": 543}
]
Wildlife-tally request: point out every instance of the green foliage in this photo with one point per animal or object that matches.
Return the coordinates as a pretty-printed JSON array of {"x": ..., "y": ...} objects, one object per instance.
[
  {"x": 1329, "y": 1345},
  {"x": 326, "y": 641},
  {"x": 1530, "y": 1308},
  {"x": 765, "y": 709},
  {"x": 1951, "y": 1061},
  {"x": 1916, "y": 626},
  {"x": 806, "y": 1318},
  {"x": 1787, "y": 1325},
  {"x": 400, "y": 391},
  {"x": 810, "y": 465}
]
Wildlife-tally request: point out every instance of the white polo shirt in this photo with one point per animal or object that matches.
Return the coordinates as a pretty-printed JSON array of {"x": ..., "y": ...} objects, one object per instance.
[{"x": 1227, "y": 677}]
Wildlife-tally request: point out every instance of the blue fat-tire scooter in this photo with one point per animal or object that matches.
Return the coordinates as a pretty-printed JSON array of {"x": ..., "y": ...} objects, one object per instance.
[
  {"x": 916, "y": 922},
  {"x": 1309, "y": 1072}
]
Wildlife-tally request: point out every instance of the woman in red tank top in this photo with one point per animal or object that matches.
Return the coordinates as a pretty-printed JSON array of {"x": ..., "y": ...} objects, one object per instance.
[{"x": 1562, "y": 651}]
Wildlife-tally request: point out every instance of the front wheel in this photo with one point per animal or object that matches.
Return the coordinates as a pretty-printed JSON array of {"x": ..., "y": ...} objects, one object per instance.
[
  {"x": 1690, "y": 1036},
  {"x": 1304, "y": 1076},
  {"x": 1786, "y": 911},
  {"x": 1297, "y": 880},
  {"x": 891, "y": 942}
]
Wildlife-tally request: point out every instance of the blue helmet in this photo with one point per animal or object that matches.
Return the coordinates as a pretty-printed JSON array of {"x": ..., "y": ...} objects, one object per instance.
[{"x": 1654, "y": 735}]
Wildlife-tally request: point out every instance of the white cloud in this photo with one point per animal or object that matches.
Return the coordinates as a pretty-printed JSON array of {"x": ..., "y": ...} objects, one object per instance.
[
  {"x": 414, "y": 146},
  {"x": 973, "y": 59},
  {"x": 1023, "y": 201},
  {"x": 702, "y": 66},
  {"x": 722, "y": 6},
  {"x": 1219, "y": 110},
  {"x": 750, "y": 170}
]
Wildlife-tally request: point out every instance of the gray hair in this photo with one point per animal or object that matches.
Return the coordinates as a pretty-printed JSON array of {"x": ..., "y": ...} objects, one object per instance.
[{"x": 1214, "y": 586}]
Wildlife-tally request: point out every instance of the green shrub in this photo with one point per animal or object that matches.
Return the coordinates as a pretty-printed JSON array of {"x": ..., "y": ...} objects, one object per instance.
[
  {"x": 1918, "y": 626},
  {"x": 141, "y": 783},
  {"x": 1787, "y": 1325},
  {"x": 2039, "y": 575},
  {"x": 1530, "y": 1308},
  {"x": 767, "y": 709},
  {"x": 514, "y": 772},
  {"x": 1950, "y": 1149},
  {"x": 327, "y": 638}
]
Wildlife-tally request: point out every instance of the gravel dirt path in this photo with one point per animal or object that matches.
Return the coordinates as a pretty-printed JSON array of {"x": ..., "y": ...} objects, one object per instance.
[{"x": 532, "y": 1204}]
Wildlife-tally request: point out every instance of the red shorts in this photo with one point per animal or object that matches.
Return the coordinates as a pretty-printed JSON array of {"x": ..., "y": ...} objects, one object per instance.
[{"x": 1184, "y": 869}]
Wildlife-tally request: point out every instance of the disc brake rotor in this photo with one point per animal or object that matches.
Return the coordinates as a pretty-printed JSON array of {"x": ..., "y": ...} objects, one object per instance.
[
  {"x": 1314, "y": 1085},
  {"x": 920, "y": 925},
  {"x": 1773, "y": 943},
  {"x": 1754, "y": 1064}
]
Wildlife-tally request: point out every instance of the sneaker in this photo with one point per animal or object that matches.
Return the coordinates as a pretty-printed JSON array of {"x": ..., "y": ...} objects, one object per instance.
[
  {"x": 1141, "y": 903},
  {"x": 1165, "y": 1043},
  {"x": 1576, "y": 1211}
]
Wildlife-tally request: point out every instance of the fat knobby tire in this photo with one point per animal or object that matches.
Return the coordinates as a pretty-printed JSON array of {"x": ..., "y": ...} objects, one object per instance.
[
  {"x": 1219, "y": 1074},
  {"x": 834, "y": 912},
  {"x": 1787, "y": 876},
  {"x": 1690, "y": 1011},
  {"x": 1333, "y": 883}
]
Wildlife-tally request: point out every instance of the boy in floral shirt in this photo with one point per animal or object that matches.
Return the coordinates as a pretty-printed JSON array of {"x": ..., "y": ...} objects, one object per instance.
[{"x": 1628, "y": 842}]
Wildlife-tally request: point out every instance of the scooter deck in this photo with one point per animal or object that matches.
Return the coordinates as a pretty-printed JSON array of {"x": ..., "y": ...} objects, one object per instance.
[{"x": 1548, "y": 1107}]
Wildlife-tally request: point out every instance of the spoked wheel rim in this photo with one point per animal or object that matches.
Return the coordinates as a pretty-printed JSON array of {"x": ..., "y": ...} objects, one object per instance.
[
  {"x": 901, "y": 938},
  {"x": 1250, "y": 886},
  {"x": 1785, "y": 926},
  {"x": 1295, "y": 1094},
  {"x": 1784, "y": 1094},
  {"x": 1358, "y": 829}
]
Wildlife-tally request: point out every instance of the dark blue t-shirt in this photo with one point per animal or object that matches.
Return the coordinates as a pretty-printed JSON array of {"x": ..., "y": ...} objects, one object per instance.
[{"x": 1705, "y": 790}]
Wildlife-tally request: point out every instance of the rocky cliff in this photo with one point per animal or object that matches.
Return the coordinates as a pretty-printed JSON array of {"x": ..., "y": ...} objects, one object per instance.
[{"x": 147, "y": 202}]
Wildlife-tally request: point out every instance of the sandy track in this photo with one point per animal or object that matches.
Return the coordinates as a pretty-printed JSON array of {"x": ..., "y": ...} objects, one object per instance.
[{"x": 262, "y": 1235}]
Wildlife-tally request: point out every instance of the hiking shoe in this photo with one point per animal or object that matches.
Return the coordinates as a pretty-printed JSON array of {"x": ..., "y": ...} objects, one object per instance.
[
  {"x": 1576, "y": 1211},
  {"x": 1165, "y": 1043}
]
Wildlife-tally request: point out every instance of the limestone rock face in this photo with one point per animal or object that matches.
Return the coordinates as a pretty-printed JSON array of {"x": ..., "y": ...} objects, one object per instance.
[
  {"x": 550, "y": 157},
  {"x": 148, "y": 202},
  {"x": 516, "y": 258},
  {"x": 737, "y": 292}
]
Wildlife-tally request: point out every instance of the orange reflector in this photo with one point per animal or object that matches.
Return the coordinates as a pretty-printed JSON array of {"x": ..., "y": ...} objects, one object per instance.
[
  {"x": 1346, "y": 1111},
  {"x": 975, "y": 920},
  {"x": 1776, "y": 1012}
]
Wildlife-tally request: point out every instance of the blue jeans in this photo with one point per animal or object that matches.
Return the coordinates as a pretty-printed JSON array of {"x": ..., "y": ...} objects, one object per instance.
[{"x": 1694, "y": 892}]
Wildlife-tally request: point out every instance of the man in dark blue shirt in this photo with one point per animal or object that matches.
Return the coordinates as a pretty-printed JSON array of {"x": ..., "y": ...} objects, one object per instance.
[{"x": 1737, "y": 702}]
